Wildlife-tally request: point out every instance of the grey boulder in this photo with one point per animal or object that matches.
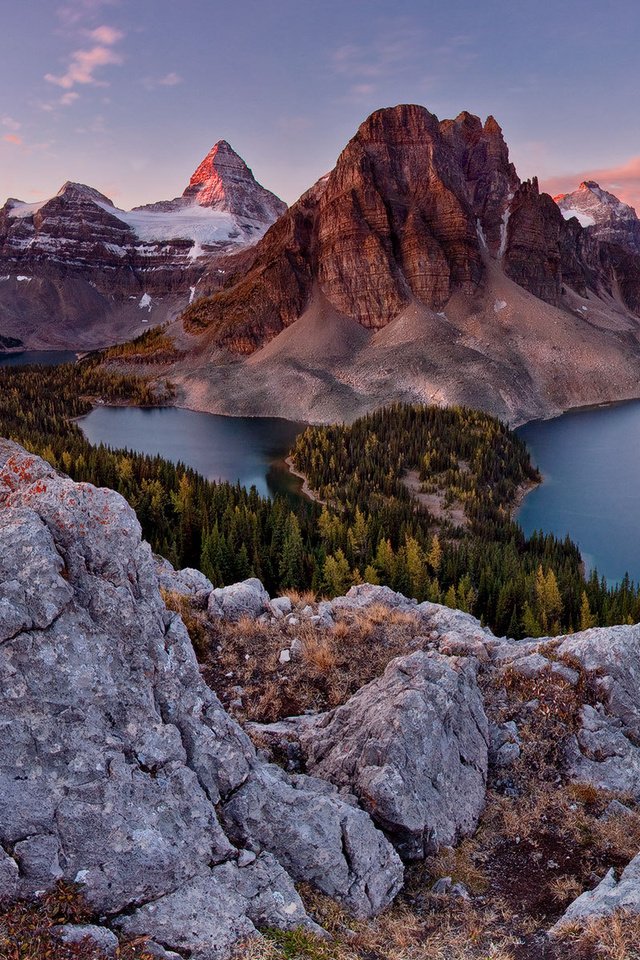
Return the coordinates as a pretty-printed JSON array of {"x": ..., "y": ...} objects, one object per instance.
[
  {"x": 245, "y": 599},
  {"x": 212, "y": 914},
  {"x": 413, "y": 747},
  {"x": 609, "y": 896},
  {"x": 187, "y": 582},
  {"x": 317, "y": 837}
]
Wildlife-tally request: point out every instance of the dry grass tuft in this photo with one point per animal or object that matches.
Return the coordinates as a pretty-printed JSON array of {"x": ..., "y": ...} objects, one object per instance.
[
  {"x": 318, "y": 651},
  {"x": 28, "y": 929},
  {"x": 462, "y": 863},
  {"x": 301, "y": 598},
  {"x": 616, "y": 937},
  {"x": 327, "y": 666}
]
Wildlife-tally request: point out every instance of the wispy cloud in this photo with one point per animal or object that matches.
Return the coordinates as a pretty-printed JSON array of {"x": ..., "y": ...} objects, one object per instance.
[
  {"x": 397, "y": 50},
  {"x": 622, "y": 180},
  {"x": 85, "y": 63},
  {"x": 10, "y": 123},
  {"x": 68, "y": 98},
  {"x": 72, "y": 14},
  {"x": 13, "y": 138},
  {"x": 169, "y": 80}
]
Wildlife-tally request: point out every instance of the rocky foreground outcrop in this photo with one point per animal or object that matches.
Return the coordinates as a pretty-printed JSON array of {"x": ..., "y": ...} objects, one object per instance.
[
  {"x": 120, "y": 770},
  {"x": 412, "y": 746}
]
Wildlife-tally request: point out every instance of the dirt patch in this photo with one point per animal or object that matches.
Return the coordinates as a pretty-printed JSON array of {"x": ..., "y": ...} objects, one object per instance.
[{"x": 435, "y": 503}]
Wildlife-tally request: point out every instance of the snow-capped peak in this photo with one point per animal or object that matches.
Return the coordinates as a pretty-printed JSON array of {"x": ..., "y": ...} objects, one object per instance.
[
  {"x": 223, "y": 181},
  {"x": 71, "y": 190},
  {"x": 592, "y": 205}
]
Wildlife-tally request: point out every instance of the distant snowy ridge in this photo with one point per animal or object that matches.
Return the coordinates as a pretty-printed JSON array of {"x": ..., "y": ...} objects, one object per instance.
[
  {"x": 223, "y": 205},
  {"x": 592, "y": 205}
]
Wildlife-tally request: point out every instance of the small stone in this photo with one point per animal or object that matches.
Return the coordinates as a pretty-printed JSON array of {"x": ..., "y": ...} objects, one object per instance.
[
  {"x": 565, "y": 673},
  {"x": 616, "y": 809},
  {"x": 442, "y": 886},
  {"x": 460, "y": 891},
  {"x": 246, "y": 857},
  {"x": 531, "y": 666},
  {"x": 285, "y": 656},
  {"x": 281, "y": 606},
  {"x": 307, "y": 611},
  {"x": 507, "y": 754},
  {"x": 105, "y": 940}
]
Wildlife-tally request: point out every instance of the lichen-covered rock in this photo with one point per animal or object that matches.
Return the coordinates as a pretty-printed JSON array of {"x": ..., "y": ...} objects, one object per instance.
[
  {"x": 412, "y": 746},
  {"x": 608, "y": 897},
  {"x": 245, "y": 599},
  {"x": 211, "y": 914},
  {"x": 114, "y": 753},
  {"x": 316, "y": 837},
  {"x": 605, "y": 750}
]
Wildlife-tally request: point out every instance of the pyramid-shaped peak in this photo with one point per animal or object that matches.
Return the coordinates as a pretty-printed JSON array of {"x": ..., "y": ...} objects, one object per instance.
[
  {"x": 221, "y": 160},
  {"x": 223, "y": 181},
  {"x": 492, "y": 127}
]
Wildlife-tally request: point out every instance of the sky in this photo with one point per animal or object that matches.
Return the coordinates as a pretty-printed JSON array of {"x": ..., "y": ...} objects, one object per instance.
[{"x": 129, "y": 95}]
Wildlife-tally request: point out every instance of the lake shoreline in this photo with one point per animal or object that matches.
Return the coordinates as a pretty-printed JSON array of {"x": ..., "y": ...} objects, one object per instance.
[
  {"x": 521, "y": 494},
  {"x": 305, "y": 489}
]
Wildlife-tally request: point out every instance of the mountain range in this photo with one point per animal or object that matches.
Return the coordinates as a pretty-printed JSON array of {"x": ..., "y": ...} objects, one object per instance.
[
  {"x": 420, "y": 268},
  {"x": 75, "y": 271}
]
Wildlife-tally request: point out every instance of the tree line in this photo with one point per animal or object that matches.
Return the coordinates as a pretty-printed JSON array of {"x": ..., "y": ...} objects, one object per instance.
[{"x": 469, "y": 553}]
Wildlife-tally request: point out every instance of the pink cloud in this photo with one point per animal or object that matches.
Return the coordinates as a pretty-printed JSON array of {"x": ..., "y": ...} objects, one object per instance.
[
  {"x": 169, "y": 80},
  {"x": 74, "y": 13},
  {"x": 83, "y": 64},
  {"x": 623, "y": 181},
  {"x": 106, "y": 35},
  {"x": 13, "y": 138}
]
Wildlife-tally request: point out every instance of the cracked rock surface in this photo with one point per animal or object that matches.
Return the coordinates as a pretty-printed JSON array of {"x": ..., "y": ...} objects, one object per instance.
[
  {"x": 114, "y": 754},
  {"x": 412, "y": 746}
]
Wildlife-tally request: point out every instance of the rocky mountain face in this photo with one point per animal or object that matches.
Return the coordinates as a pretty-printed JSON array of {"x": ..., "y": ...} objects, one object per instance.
[
  {"x": 404, "y": 215},
  {"x": 409, "y": 214},
  {"x": 76, "y": 271},
  {"x": 124, "y": 774},
  {"x": 420, "y": 268},
  {"x": 604, "y": 216}
]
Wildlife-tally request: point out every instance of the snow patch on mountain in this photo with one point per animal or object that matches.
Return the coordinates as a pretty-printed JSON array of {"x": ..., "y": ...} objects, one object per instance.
[
  {"x": 592, "y": 205},
  {"x": 584, "y": 219},
  {"x": 201, "y": 225}
]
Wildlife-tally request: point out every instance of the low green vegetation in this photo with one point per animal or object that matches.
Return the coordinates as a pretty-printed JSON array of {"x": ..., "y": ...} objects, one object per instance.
[
  {"x": 152, "y": 346},
  {"x": 420, "y": 498},
  {"x": 415, "y": 497}
]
